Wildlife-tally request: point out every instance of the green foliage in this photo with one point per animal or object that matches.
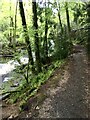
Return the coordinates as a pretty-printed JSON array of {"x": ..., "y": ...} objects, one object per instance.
[
  {"x": 63, "y": 47},
  {"x": 30, "y": 89}
]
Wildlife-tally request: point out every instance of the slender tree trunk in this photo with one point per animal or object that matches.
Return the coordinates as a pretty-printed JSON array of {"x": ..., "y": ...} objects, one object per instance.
[
  {"x": 68, "y": 24},
  {"x": 88, "y": 22},
  {"x": 10, "y": 35},
  {"x": 11, "y": 28},
  {"x": 46, "y": 33},
  {"x": 11, "y": 25},
  {"x": 69, "y": 28},
  {"x": 67, "y": 15},
  {"x": 59, "y": 16},
  {"x": 26, "y": 34},
  {"x": 35, "y": 25},
  {"x": 16, "y": 18},
  {"x": 15, "y": 26}
]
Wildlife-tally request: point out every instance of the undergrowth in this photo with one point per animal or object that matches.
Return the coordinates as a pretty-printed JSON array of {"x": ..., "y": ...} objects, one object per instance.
[{"x": 25, "y": 91}]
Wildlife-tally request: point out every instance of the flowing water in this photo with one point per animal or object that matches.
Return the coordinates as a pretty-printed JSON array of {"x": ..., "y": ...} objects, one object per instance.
[{"x": 7, "y": 73}]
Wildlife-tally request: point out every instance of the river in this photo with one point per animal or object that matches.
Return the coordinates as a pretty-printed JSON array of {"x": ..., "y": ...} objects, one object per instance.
[{"x": 6, "y": 73}]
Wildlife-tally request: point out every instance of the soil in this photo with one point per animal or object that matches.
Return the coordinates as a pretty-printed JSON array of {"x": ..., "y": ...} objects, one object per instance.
[{"x": 64, "y": 95}]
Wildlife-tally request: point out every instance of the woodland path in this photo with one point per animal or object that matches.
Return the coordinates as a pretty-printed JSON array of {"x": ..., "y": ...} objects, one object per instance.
[
  {"x": 70, "y": 98},
  {"x": 67, "y": 93}
]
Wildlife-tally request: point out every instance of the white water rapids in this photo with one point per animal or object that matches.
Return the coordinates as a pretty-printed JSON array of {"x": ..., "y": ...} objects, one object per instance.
[{"x": 6, "y": 68}]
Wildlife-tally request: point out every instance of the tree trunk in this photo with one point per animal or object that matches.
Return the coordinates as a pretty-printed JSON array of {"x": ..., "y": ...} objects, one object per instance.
[
  {"x": 67, "y": 15},
  {"x": 15, "y": 26},
  {"x": 11, "y": 30},
  {"x": 68, "y": 24},
  {"x": 46, "y": 32},
  {"x": 59, "y": 16},
  {"x": 88, "y": 22},
  {"x": 11, "y": 26},
  {"x": 35, "y": 25},
  {"x": 26, "y": 34}
]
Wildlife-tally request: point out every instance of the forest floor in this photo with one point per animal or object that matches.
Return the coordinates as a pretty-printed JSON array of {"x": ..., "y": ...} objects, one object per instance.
[{"x": 64, "y": 95}]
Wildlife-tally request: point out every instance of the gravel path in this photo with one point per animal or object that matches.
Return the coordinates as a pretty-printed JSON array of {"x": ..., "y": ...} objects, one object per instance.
[{"x": 70, "y": 98}]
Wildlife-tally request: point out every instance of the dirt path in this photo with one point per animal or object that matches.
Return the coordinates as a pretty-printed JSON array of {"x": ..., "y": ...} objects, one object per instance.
[
  {"x": 67, "y": 93},
  {"x": 71, "y": 97}
]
